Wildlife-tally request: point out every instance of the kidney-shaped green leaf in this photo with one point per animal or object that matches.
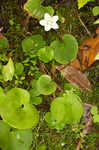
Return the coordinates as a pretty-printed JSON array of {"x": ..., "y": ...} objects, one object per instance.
[
  {"x": 32, "y": 44},
  {"x": 14, "y": 139},
  {"x": 17, "y": 110},
  {"x": 46, "y": 54},
  {"x": 67, "y": 109},
  {"x": 65, "y": 50},
  {"x": 45, "y": 85},
  {"x": 95, "y": 10}
]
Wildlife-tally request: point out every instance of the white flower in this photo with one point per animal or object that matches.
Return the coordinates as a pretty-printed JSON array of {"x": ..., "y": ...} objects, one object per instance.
[{"x": 49, "y": 22}]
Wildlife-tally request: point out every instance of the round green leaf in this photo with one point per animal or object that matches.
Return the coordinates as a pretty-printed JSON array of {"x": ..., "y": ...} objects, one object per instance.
[
  {"x": 46, "y": 54},
  {"x": 96, "y": 118},
  {"x": 45, "y": 85},
  {"x": 74, "y": 103},
  {"x": 67, "y": 109},
  {"x": 19, "y": 68},
  {"x": 60, "y": 110},
  {"x": 20, "y": 139},
  {"x": 17, "y": 110},
  {"x": 94, "y": 110},
  {"x": 95, "y": 10},
  {"x": 13, "y": 139},
  {"x": 65, "y": 50},
  {"x": 32, "y": 44},
  {"x": 4, "y": 43}
]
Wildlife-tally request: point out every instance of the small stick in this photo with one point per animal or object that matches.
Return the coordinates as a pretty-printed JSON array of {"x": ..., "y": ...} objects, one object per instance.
[
  {"x": 78, "y": 145},
  {"x": 83, "y": 25}
]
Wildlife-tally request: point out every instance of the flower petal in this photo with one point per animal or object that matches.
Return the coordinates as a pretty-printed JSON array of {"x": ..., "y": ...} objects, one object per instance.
[
  {"x": 55, "y": 18},
  {"x": 47, "y": 28},
  {"x": 42, "y": 22},
  {"x": 47, "y": 16},
  {"x": 54, "y": 26}
]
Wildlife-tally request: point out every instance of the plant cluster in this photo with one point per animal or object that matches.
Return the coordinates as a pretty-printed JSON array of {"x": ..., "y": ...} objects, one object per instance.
[{"x": 20, "y": 95}]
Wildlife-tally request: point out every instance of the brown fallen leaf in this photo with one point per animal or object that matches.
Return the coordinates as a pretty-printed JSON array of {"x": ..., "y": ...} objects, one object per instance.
[
  {"x": 87, "y": 53},
  {"x": 75, "y": 76}
]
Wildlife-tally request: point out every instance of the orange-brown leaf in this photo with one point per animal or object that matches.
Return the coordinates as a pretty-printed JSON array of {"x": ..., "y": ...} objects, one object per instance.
[{"x": 88, "y": 51}]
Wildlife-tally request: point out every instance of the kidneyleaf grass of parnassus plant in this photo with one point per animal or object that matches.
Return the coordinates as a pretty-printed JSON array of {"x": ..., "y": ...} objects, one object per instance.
[
  {"x": 31, "y": 44},
  {"x": 64, "y": 110},
  {"x": 46, "y": 54},
  {"x": 17, "y": 111},
  {"x": 65, "y": 50},
  {"x": 14, "y": 139},
  {"x": 45, "y": 85}
]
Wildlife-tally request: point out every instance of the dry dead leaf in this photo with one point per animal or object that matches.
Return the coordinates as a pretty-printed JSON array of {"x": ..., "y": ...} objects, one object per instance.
[
  {"x": 87, "y": 53},
  {"x": 75, "y": 76}
]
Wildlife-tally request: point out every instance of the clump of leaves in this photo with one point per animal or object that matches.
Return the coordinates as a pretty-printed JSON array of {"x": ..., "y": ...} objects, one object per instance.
[
  {"x": 14, "y": 139},
  {"x": 16, "y": 110},
  {"x": 64, "y": 110}
]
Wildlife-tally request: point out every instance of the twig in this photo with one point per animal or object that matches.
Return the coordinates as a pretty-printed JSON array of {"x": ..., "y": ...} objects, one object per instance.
[
  {"x": 78, "y": 145},
  {"x": 89, "y": 33},
  {"x": 42, "y": 67}
]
